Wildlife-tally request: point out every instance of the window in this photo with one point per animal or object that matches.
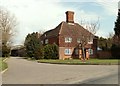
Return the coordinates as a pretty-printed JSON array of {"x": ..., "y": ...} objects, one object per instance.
[
  {"x": 90, "y": 51},
  {"x": 68, "y": 39},
  {"x": 46, "y": 41},
  {"x": 90, "y": 40},
  {"x": 67, "y": 51},
  {"x": 45, "y": 35},
  {"x": 76, "y": 51},
  {"x": 78, "y": 40},
  {"x": 42, "y": 42}
]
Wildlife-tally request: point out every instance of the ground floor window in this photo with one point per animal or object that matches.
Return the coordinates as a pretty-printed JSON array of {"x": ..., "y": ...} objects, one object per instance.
[
  {"x": 67, "y": 51},
  {"x": 90, "y": 51},
  {"x": 76, "y": 51}
]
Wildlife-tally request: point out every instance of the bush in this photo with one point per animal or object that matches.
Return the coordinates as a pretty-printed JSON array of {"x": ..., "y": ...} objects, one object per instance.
[
  {"x": 115, "y": 50},
  {"x": 51, "y": 52},
  {"x": 38, "y": 54},
  {"x": 33, "y": 46},
  {"x": 5, "y": 51}
]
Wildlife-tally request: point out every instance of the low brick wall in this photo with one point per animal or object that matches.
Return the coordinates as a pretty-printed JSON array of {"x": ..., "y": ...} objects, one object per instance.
[{"x": 104, "y": 54}]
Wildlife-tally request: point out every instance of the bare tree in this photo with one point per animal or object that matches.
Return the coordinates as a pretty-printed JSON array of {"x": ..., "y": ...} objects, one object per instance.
[
  {"x": 111, "y": 34},
  {"x": 7, "y": 26},
  {"x": 84, "y": 38},
  {"x": 87, "y": 36},
  {"x": 92, "y": 26}
]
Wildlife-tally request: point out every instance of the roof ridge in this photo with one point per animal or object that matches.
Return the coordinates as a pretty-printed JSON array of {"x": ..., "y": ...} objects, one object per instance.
[{"x": 61, "y": 27}]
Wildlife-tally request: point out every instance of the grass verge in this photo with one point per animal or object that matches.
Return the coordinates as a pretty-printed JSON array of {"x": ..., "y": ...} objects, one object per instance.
[
  {"x": 3, "y": 65},
  {"x": 79, "y": 62}
]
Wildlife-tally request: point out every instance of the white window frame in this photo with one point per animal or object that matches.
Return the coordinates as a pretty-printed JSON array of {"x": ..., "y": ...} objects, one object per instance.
[
  {"x": 76, "y": 51},
  {"x": 90, "y": 51},
  {"x": 46, "y": 41},
  {"x": 67, "y": 51},
  {"x": 78, "y": 40},
  {"x": 68, "y": 39},
  {"x": 41, "y": 42},
  {"x": 90, "y": 40}
]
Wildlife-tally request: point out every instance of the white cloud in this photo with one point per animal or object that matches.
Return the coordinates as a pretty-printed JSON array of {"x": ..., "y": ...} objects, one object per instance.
[
  {"x": 86, "y": 16},
  {"x": 34, "y": 15},
  {"x": 109, "y": 6},
  {"x": 37, "y": 15}
]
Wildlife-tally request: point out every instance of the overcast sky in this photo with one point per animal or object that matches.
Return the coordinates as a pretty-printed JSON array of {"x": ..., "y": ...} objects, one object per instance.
[{"x": 43, "y": 15}]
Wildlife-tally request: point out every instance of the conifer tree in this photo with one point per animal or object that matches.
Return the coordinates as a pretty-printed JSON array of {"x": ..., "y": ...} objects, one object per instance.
[
  {"x": 33, "y": 46},
  {"x": 116, "y": 37},
  {"x": 117, "y": 25},
  {"x": 115, "y": 49}
]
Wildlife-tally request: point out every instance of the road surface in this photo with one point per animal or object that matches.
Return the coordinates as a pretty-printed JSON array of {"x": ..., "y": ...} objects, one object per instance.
[
  {"x": 109, "y": 79},
  {"x": 21, "y": 71}
]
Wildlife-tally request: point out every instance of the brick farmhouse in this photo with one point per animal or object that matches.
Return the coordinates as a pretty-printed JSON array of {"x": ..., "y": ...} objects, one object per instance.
[{"x": 69, "y": 36}]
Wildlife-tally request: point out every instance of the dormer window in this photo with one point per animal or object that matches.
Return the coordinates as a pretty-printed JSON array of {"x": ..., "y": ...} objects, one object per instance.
[
  {"x": 41, "y": 42},
  {"x": 45, "y": 35},
  {"x": 46, "y": 41},
  {"x": 68, "y": 39}
]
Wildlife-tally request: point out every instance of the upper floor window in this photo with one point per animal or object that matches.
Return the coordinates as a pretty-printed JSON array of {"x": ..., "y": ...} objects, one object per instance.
[
  {"x": 68, "y": 39},
  {"x": 46, "y": 41},
  {"x": 90, "y": 40},
  {"x": 78, "y": 40}
]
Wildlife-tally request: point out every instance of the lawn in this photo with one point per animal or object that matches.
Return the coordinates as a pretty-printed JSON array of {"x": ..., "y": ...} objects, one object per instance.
[
  {"x": 79, "y": 62},
  {"x": 3, "y": 65}
]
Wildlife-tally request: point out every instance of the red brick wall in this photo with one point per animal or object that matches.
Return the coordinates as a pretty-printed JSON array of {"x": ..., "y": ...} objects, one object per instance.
[
  {"x": 62, "y": 53},
  {"x": 53, "y": 40}
]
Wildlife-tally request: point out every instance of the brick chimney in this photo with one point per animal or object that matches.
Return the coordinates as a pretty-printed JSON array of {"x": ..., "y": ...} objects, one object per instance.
[{"x": 70, "y": 16}]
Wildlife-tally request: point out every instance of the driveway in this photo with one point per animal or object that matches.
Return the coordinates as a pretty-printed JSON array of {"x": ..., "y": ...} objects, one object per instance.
[{"x": 21, "y": 71}]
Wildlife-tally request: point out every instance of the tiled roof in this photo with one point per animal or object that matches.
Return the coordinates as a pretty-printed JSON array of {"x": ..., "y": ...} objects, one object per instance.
[
  {"x": 52, "y": 32},
  {"x": 66, "y": 29},
  {"x": 73, "y": 29}
]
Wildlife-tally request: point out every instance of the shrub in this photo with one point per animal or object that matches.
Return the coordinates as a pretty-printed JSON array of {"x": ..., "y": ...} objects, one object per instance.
[
  {"x": 38, "y": 54},
  {"x": 5, "y": 51},
  {"x": 33, "y": 46},
  {"x": 115, "y": 50},
  {"x": 51, "y": 51}
]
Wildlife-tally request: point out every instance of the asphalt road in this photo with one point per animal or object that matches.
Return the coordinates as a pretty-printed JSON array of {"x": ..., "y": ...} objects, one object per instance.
[
  {"x": 21, "y": 71},
  {"x": 109, "y": 79}
]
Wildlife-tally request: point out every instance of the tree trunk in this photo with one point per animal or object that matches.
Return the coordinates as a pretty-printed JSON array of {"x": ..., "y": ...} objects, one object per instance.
[{"x": 83, "y": 53}]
